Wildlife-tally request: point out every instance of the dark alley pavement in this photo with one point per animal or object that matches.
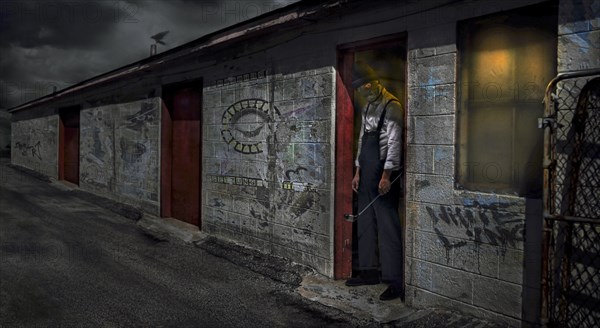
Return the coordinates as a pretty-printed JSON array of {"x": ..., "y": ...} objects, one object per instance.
[{"x": 67, "y": 262}]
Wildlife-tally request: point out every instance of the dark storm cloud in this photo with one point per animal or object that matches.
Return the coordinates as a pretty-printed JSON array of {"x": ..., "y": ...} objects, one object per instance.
[
  {"x": 61, "y": 24},
  {"x": 53, "y": 44},
  {"x": 56, "y": 43}
]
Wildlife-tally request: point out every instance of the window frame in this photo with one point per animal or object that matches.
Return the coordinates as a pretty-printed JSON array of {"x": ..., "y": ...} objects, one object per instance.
[{"x": 464, "y": 41}]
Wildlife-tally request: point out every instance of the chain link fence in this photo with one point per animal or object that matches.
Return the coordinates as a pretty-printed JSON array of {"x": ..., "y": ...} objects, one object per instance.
[{"x": 572, "y": 203}]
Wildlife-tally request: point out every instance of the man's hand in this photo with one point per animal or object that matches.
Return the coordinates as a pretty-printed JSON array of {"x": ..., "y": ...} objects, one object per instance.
[
  {"x": 385, "y": 184},
  {"x": 355, "y": 181}
]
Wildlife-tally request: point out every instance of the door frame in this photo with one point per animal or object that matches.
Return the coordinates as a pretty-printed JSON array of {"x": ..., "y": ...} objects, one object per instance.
[
  {"x": 344, "y": 151},
  {"x": 62, "y": 113},
  {"x": 166, "y": 146}
]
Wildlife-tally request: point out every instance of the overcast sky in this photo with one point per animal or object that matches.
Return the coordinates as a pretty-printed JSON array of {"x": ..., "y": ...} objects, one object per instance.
[{"x": 51, "y": 43}]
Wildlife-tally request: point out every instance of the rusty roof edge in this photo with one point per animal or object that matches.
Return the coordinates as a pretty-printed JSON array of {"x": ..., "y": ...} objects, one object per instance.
[{"x": 206, "y": 41}]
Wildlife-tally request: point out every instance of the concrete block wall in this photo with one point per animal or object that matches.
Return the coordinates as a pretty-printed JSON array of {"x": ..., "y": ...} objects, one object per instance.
[
  {"x": 34, "y": 144},
  {"x": 267, "y": 165},
  {"x": 119, "y": 147},
  {"x": 578, "y": 35},
  {"x": 465, "y": 250}
]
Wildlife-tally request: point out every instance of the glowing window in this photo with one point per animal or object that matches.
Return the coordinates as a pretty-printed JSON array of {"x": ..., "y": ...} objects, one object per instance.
[{"x": 506, "y": 61}]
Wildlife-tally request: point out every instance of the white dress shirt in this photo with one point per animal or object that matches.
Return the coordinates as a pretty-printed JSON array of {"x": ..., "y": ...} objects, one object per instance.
[{"x": 390, "y": 136}]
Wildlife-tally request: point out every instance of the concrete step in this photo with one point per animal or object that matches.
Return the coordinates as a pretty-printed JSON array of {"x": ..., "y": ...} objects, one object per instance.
[
  {"x": 170, "y": 229},
  {"x": 361, "y": 302}
]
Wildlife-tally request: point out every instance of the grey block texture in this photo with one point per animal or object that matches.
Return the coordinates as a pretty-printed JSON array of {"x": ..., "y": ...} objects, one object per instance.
[{"x": 268, "y": 178}]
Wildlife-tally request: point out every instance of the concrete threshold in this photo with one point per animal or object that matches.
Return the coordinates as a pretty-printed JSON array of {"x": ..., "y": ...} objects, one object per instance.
[
  {"x": 361, "y": 302},
  {"x": 171, "y": 229}
]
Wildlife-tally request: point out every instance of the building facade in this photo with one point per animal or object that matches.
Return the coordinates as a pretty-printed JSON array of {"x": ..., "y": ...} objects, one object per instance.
[{"x": 250, "y": 132}]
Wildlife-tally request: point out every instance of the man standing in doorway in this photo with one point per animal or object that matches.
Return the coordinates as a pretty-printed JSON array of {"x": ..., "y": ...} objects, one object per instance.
[{"x": 377, "y": 171}]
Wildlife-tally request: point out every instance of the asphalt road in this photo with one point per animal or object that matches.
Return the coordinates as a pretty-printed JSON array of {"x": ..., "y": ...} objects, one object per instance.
[{"x": 66, "y": 262}]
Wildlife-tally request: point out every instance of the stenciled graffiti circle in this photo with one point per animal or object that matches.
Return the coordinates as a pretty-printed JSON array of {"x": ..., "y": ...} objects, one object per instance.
[{"x": 243, "y": 123}]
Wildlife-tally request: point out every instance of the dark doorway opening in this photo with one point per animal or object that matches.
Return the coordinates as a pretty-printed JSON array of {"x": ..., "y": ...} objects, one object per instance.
[
  {"x": 181, "y": 152},
  {"x": 68, "y": 153},
  {"x": 387, "y": 56}
]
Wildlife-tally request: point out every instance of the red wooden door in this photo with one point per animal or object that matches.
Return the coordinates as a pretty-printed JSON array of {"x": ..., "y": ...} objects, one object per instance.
[
  {"x": 186, "y": 154},
  {"x": 70, "y": 145},
  {"x": 344, "y": 168}
]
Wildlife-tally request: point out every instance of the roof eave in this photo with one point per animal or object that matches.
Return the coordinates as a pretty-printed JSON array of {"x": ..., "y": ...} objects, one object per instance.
[{"x": 279, "y": 16}]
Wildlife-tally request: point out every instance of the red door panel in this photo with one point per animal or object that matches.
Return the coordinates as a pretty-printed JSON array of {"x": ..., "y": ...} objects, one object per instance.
[
  {"x": 185, "y": 148},
  {"x": 70, "y": 145},
  {"x": 71, "y": 152},
  {"x": 344, "y": 171}
]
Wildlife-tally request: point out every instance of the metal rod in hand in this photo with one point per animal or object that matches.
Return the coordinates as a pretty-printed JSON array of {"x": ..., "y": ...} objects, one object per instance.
[{"x": 352, "y": 218}]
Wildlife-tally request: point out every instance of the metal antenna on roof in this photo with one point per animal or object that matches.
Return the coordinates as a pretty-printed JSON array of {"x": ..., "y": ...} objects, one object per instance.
[{"x": 158, "y": 38}]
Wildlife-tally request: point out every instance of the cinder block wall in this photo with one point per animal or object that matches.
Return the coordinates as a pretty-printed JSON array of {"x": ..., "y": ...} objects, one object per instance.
[
  {"x": 34, "y": 144},
  {"x": 578, "y": 35},
  {"x": 119, "y": 147},
  {"x": 267, "y": 164},
  {"x": 465, "y": 250}
]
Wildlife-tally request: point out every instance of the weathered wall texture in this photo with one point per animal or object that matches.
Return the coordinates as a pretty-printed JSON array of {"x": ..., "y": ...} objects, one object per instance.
[
  {"x": 464, "y": 249},
  {"x": 268, "y": 144},
  {"x": 119, "y": 146},
  {"x": 4, "y": 133},
  {"x": 467, "y": 250},
  {"x": 267, "y": 165},
  {"x": 34, "y": 144},
  {"x": 578, "y": 35}
]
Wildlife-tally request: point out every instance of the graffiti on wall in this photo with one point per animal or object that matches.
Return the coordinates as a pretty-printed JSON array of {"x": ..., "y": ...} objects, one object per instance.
[
  {"x": 33, "y": 150},
  {"x": 482, "y": 226},
  {"x": 250, "y": 127},
  {"x": 97, "y": 148},
  {"x": 136, "y": 142},
  {"x": 138, "y": 120},
  {"x": 237, "y": 181},
  {"x": 34, "y": 144},
  {"x": 243, "y": 122}
]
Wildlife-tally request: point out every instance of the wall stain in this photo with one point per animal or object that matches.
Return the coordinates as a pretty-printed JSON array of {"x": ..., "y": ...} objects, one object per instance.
[
  {"x": 420, "y": 184},
  {"x": 305, "y": 201},
  {"x": 131, "y": 151},
  {"x": 216, "y": 202}
]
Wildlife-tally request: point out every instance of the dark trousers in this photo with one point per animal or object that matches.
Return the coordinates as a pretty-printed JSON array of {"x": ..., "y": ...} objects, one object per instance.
[{"x": 378, "y": 229}]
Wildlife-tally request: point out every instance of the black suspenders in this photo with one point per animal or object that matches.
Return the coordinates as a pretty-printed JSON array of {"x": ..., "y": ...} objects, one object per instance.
[{"x": 382, "y": 117}]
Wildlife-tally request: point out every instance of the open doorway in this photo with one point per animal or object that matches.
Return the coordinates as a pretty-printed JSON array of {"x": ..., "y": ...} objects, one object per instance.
[
  {"x": 387, "y": 56},
  {"x": 68, "y": 150},
  {"x": 181, "y": 152}
]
